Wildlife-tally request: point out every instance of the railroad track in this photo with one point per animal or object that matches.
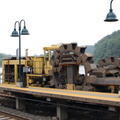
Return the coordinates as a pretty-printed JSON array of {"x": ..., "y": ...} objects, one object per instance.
[
  {"x": 6, "y": 95},
  {"x": 8, "y": 116}
]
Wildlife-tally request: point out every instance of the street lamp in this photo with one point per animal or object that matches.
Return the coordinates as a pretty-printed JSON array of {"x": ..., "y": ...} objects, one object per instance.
[
  {"x": 111, "y": 17},
  {"x": 16, "y": 34}
]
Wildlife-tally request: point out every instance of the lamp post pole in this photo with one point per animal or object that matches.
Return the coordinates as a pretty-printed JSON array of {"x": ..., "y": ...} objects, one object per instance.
[
  {"x": 20, "y": 75},
  {"x": 16, "y": 34},
  {"x": 111, "y": 4}
]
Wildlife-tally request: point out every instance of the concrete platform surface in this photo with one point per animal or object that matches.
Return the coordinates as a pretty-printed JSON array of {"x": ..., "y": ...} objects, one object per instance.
[{"x": 82, "y": 96}]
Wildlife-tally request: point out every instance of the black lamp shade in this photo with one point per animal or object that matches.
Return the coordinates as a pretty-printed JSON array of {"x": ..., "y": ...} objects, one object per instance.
[
  {"x": 14, "y": 33},
  {"x": 24, "y": 31},
  {"x": 111, "y": 17}
]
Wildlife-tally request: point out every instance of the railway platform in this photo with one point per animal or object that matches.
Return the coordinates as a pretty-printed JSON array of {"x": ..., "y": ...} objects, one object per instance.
[{"x": 109, "y": 99}]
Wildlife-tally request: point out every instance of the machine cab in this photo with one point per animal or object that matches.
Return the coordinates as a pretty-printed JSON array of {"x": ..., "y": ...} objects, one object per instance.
[{"x": 48, "y": 54}]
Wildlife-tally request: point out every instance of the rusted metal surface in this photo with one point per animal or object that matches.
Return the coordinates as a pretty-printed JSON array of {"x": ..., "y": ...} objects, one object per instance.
[
  {"x": 107, "y": 81},
  {"x": 65, "y": 65},
  {"x": 108, "y": 72},
  {"x": 110, "y": 61}
]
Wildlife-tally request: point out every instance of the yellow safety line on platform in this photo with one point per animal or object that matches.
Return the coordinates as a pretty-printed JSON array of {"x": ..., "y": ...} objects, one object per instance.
[
  {"x": 78, "y": 91},
  {"x": 60, "y": 92},
  {"x": 111, "y": 94}
]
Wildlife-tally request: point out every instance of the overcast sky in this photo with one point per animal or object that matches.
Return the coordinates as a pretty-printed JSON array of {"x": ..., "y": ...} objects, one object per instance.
[{"x": 55, "y": 21}]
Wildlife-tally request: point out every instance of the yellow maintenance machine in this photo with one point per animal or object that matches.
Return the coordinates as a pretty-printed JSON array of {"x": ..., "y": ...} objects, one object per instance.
[{"x": 38, "y": 68}]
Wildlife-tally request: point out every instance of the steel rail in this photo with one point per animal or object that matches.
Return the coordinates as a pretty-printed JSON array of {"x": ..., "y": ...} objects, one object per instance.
[{"x": 17, "y": 117}]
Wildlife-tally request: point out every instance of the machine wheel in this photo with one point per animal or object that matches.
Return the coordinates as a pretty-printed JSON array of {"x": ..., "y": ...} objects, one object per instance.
[
  {"x": 111, "y": 66},
  {"x": 65, "y": 66},
  {"x": 109, "y": 70}
]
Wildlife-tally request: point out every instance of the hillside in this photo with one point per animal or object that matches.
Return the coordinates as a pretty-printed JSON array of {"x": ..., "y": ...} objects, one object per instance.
[
  {"x": 108, "y": 46},
  {"x": 2, "y": 56},
  {"x": 90, "y": 49}
]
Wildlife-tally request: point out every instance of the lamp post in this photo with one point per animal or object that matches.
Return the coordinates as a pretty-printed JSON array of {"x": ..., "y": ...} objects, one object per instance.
[
  {"x": 111, "y": 17},
  {"x": 16, "y": 34}
]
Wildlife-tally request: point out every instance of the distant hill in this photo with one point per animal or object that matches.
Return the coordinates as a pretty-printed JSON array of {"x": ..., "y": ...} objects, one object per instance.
[
  {"x": 2, "y": 56},
  {"x": 90, "y": 49},
  {"x": 108, "y": 46}
]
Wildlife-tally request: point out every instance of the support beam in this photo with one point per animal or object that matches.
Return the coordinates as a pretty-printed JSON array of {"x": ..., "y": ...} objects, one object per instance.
[
  {"x": 20, "y": 104},
  {"x": 62, "y": 112}
]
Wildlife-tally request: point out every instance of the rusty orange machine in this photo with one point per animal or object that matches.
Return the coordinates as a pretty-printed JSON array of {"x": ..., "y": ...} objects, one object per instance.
[{"x": 59, "y": 67}]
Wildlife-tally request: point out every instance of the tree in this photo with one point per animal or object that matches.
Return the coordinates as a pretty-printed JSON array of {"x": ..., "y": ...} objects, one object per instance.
[{"x": 108, "y": 46}]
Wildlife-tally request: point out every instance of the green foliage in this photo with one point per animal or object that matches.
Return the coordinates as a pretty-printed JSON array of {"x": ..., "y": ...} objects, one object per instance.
[{"x": 108, "y": 46}]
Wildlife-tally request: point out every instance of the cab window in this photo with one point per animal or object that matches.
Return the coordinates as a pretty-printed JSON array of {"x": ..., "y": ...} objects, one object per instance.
[
  {"x": 51, "y": 54},
  {"x": 46, "y": 55}
]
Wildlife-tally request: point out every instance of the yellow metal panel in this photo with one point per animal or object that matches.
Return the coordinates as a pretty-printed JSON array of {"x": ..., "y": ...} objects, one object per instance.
[
  {"x": 38, "y": 65},
  {"x": 27, "y": 81},
  {"x": 31, "y": 75},
  {"x": 53, "y": 47},
  {"x": 13, "y": 62},
  {"x": 7, "y": 83},
  {"x": 15, "y": 73},
  {"x": 70, "y": 86},
  {"x": 47, "y": 67}
]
